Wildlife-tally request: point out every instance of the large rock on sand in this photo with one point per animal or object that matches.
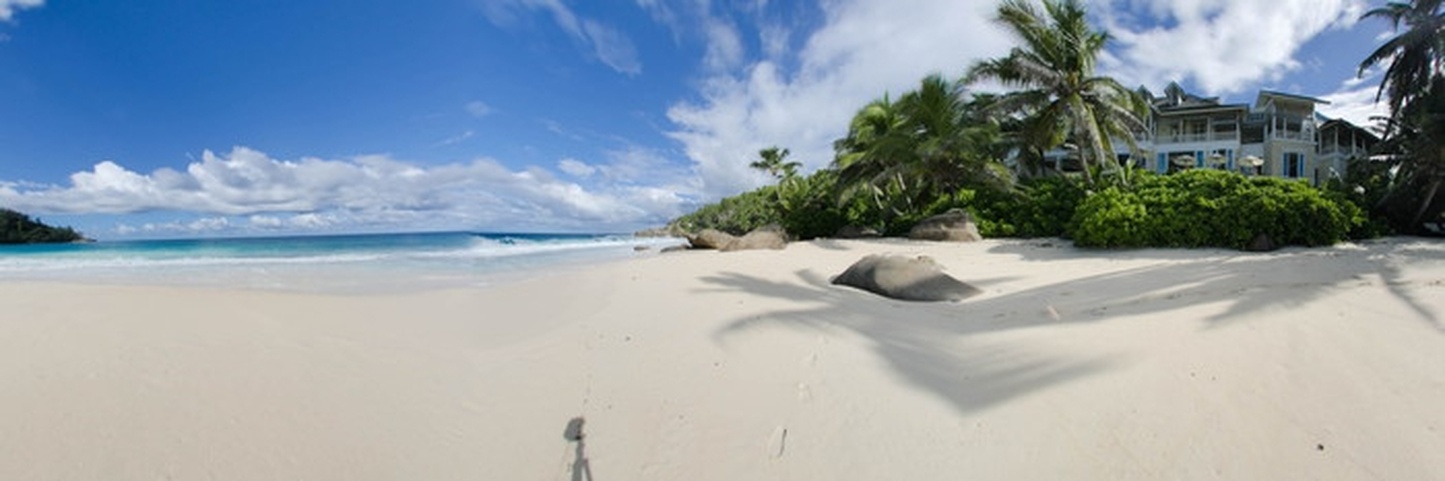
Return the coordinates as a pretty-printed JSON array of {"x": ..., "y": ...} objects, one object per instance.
[
  {"x": 710, "y": 239},
  {"x": 767, "y": 237},
  {"x": 952, "y": 226},
  {"x": 905, "y": 278}
]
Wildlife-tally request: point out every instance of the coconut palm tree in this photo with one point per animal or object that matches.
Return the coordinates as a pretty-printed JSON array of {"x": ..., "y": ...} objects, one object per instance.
[
  {"x": 1414, "y": 137},
  {"x": 1415, "y": 143},
  {"x": 1414, "y": 56},
  {"x": 773, "y": 161},
  {"x": 926, "y": 144},
  {"x": 1058, "y": 94}
]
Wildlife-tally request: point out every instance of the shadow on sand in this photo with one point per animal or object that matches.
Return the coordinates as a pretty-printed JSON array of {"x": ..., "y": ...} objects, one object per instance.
[
  {"x": 941, "y": 347},
  {"x": 581, "y": 467}
]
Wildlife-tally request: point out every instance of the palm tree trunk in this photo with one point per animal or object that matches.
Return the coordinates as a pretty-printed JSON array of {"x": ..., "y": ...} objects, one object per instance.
[
  {"x": 1425, "y": 203},
  {"x": 1086, "y": 128}
]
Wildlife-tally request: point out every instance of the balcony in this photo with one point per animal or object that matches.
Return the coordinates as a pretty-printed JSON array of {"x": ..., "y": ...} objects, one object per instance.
[
  {"x": 1344, "y": 150},
  {"x": 1293, "y": 135},
  {"x": 1224, "y": 136}
]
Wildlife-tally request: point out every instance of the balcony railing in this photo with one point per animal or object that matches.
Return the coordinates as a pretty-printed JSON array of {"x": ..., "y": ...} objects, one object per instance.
[
  {"x": 1294, "y": 135},
  {"x": 1345, "y": 150},
  {"x": 1199, "y": 137}
]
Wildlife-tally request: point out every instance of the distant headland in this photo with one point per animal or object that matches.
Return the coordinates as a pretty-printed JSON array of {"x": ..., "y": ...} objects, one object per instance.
[{"x": 18, "y": 228}]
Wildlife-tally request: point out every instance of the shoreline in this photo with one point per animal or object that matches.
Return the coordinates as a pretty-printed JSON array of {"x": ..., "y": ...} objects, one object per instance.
[{"x": 1190, "y": 364}]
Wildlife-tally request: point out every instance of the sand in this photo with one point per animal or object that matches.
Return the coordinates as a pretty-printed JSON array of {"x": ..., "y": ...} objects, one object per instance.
[{"x": 1073, "y": 364}]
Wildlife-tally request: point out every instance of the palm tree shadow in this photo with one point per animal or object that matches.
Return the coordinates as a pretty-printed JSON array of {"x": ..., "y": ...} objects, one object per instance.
[
  {"x": 1290, "y": 277},
  {"x": 944, "y": 348},
  {"x": 980, "y": 376}
]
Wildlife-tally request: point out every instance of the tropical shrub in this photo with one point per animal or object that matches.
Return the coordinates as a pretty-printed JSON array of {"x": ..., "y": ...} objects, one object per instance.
[
  {"x": 1209, "y": 208},
  {"x": 1039, "y": 207},
  {"x": 808, "y": 206},
  {"x": 736, "y": 215}
]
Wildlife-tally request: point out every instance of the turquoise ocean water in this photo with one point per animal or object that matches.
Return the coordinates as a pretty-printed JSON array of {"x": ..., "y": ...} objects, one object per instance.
[{"x": 340, "y": 263}]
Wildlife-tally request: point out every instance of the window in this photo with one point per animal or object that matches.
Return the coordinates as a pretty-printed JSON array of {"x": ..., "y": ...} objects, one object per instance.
[{"x": 1294, "y": 164}]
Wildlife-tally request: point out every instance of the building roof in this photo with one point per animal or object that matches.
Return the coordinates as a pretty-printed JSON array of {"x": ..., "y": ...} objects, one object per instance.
[
  {"x": 1259, "y": 100},
  {"x": 1176, "y": 101},
  {"x": 1199, "y": 109},
  {"x": 1347, "y": 125}
]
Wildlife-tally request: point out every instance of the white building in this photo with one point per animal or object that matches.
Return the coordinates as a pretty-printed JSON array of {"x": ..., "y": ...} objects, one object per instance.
[{"x": 1282, "y": 132}]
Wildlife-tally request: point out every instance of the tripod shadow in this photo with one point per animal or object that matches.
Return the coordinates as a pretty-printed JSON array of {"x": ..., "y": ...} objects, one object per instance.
[{"x": 581, "y": 468}]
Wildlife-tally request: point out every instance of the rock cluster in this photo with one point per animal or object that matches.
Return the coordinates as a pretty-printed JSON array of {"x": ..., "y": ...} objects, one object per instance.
[{"x": 767, "y": 237}]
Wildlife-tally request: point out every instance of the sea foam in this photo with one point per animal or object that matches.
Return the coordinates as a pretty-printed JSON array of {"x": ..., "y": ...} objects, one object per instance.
[{"x": 349, "y": 263}]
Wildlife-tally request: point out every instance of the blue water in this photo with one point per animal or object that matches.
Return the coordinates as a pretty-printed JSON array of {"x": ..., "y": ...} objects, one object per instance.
[{"x": 342, "y": 263}]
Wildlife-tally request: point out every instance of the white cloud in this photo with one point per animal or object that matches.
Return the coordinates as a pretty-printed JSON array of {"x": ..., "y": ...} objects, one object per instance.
[
  {"x": 576, "y": 168},
  {"x": 1224, "y": 46},
  {"x": 265, "y": 221},
  {"x": 724, "y": 47},
  {"x": 478, "y": 109},
  {"x": 457, "y": 139},
  {"x": 610, "y": 46},
  {"x": 1354, "y": 103},
  {"x": 267, "y": 193},
  {"x": 8, "y": 7},
  {"x": 195, "y": 227},
  {"x": 636, "y": 164},
  {"x": 304, "y": 221},
  {"x": 613, "y": 47},
  {"x": 208, "y": 224},
  {"x": 310, "y": 220},
  {"x": 864, "y": 49}
]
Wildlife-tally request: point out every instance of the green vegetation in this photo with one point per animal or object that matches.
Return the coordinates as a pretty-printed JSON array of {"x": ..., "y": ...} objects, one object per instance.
[
  {"x": 942, "y": 146},
  {"x": 1060, "y": 98},
  {"x": 1210, "y": 208},
  {"x": 17, "y": 228},
  {"x": 1413, "y": 150}
]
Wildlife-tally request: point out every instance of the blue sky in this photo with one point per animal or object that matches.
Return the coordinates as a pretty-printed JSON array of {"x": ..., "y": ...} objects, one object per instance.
[{"x": 185, "y": 118}]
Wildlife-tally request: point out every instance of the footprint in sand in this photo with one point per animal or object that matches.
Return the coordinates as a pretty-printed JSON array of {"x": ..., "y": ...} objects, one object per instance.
[{"x": 778, "y": 442}]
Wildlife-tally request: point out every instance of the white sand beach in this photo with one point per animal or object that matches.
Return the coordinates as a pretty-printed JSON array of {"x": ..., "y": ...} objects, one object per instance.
[{"x": 1150, "y": 364}]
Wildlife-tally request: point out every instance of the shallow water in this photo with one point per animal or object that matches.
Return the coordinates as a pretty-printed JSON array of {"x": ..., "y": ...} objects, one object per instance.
[{"x": 340, "y": 264}]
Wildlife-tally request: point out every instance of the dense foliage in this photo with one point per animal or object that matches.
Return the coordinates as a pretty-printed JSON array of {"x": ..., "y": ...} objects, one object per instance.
[
  {"x": 735, "y": 215},
  {"x": 1040, "y": 207},
  {"x": 1209, "y": 208},
  {"x": 18, "y": 228},
  {"x": 1059, "y": 96},
  {"x": 940, "y": 147},
  {"x": 1414, "y": 135}
]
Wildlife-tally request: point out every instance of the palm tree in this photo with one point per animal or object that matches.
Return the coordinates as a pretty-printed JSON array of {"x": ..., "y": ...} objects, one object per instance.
[
  {"x": 930, "y": 142},
  {"x": 1059, "y": 96},
  {"x": 1414, "y": 136},
  {"x": 1415, "y": 143},
  {"x": 772, "y": 161},
  {"x": 1414, "y": 55}
]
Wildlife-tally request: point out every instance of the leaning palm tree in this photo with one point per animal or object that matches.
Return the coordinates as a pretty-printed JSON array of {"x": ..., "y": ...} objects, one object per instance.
[
  {"x": 1058, "y": 95},
  {"x": 1415, "y": 143},
  {"x": 1414, "y": 139},
  {"x": 1414, "y": 56}
]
